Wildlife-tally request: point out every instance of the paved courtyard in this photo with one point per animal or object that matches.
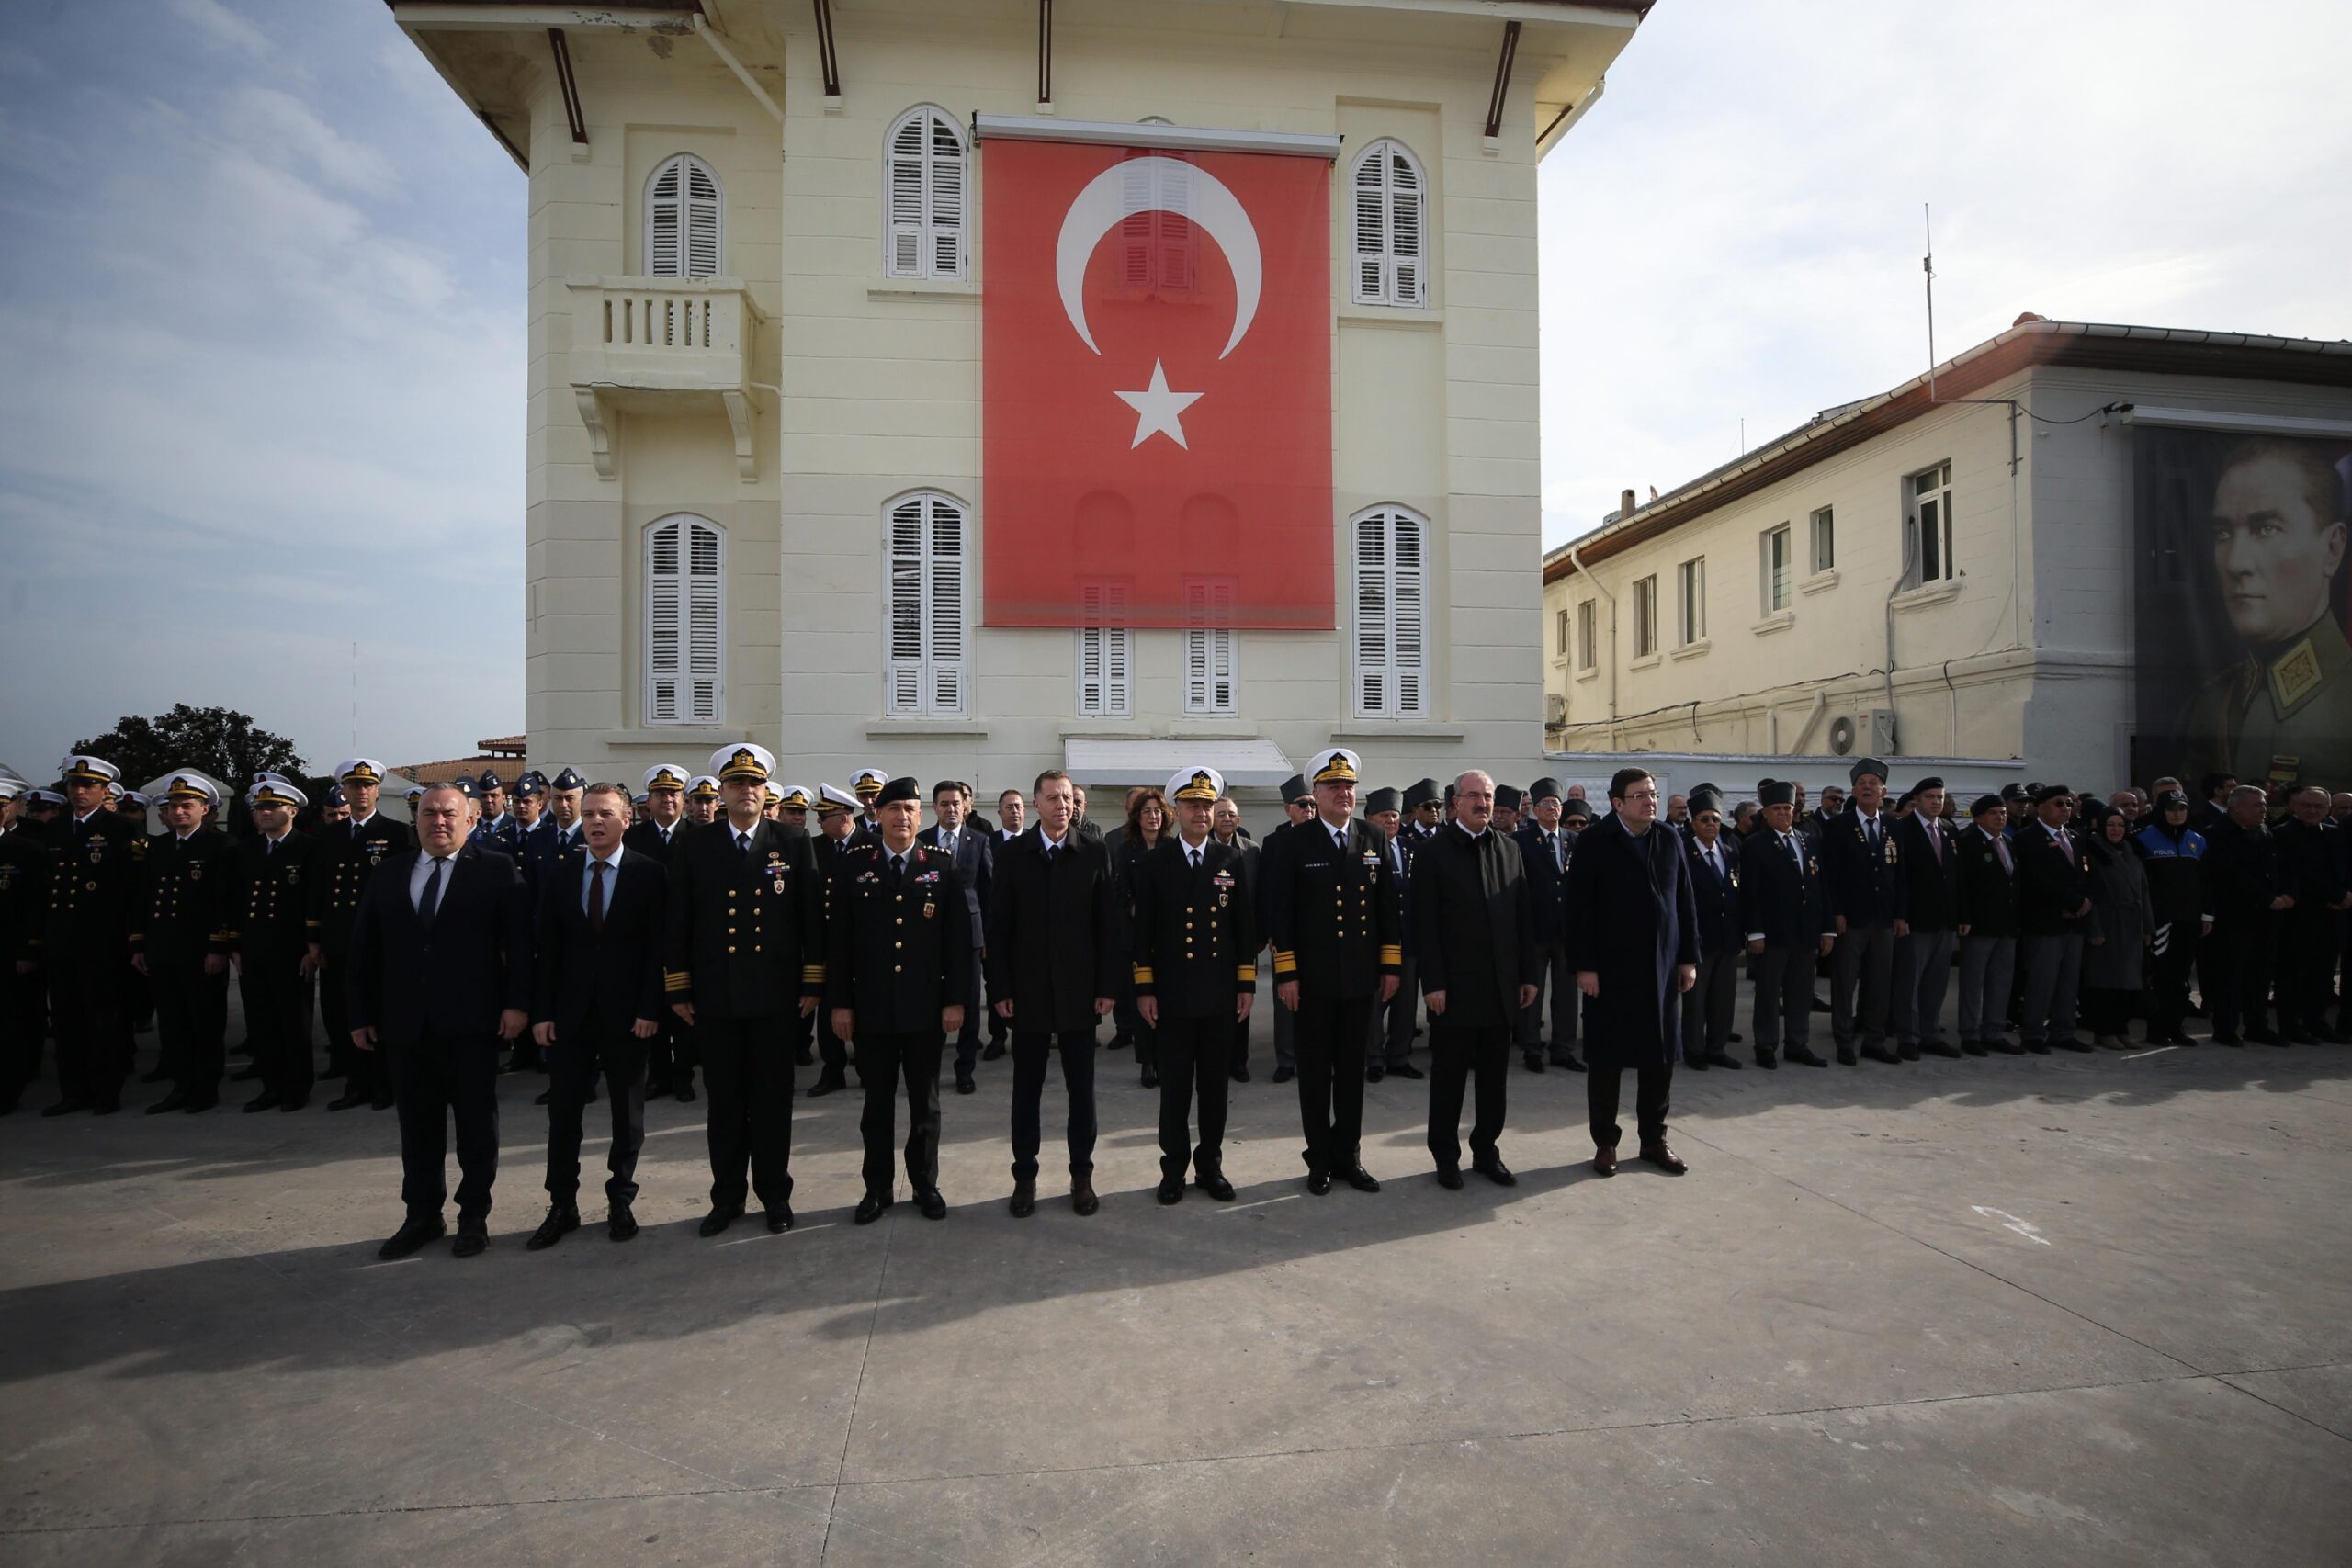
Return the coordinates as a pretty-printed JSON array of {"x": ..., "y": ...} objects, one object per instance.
[{"x": 2064, "y": 1310}]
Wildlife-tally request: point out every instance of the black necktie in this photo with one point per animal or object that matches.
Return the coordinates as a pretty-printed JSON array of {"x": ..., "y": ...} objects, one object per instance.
[
  {"x": 1192, "y": 855},
  {"x": 597, "y": 896},
  {"x": 897, "y": 869},
  {"x": 743, "y": 842},
  {"x": 430, "y": 903},
  {"x": 273, "y": 849}
]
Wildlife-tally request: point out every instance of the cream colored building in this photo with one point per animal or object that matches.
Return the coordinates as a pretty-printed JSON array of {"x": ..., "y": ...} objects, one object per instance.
[
  {"x": 1940, "y": 572},
  {"x": 756, "y": 311}
]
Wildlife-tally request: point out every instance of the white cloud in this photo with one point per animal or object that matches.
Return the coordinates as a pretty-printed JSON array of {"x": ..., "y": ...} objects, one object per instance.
[
  {"x": 275, "y": 124},
  {"x": 221, "y": 25}
]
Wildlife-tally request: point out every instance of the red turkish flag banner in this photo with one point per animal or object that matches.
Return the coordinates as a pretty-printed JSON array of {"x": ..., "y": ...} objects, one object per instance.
[{"x": 1156, "y": 343}]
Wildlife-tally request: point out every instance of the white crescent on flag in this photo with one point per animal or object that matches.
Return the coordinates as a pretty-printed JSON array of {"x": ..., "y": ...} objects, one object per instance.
[{"x": 1118, "y": 192}]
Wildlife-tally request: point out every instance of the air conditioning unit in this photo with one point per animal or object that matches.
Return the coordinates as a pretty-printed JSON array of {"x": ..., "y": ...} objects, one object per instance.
[
  {"x": 1869, "y": 732},
  {"x": 1555, "y": 709}
]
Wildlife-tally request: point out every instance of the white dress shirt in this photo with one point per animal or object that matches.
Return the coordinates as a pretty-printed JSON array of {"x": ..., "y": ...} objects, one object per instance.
[
  {"x": 416, "y": 878},
  {"x": 612, "y": 877}
]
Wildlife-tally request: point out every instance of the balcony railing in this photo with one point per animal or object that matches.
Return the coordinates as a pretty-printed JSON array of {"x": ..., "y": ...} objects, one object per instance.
[{"x": 663, "y": 343}]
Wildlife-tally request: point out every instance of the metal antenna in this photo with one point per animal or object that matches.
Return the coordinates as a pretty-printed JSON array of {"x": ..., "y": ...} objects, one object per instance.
[{"x": 1928, "y": 265}]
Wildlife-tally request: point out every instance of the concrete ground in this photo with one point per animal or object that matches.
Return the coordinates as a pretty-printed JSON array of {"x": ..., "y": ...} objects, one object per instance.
[{"x": 2056, "y": 1310}]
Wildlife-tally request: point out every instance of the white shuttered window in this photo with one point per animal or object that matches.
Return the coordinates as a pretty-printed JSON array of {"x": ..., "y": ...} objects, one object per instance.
[
  {"x": 1392, "y": 613},
  {"x": 928, "y": 546},
  {"x": 684, "y": 219},
  {"x": 1105, "y": 653},
  {"x": 1208, "y": 647},
  {"x": 925, "y": 231},
  {"x": 685, "y": 586},
  {"x": 1391, "y": 229}
]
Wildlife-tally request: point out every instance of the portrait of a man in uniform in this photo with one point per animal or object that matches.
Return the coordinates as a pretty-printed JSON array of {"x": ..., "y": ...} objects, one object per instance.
[{"x": 2277, "y": 533}]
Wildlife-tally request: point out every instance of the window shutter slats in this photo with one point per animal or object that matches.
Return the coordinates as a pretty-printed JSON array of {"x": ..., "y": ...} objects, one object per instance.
[
  {"x": 684, "y": 219},
  {"x": 685, "y": 578},
  {"x": 1390, "y": 256},
  {"x": 925, "y": 200},
  {"x": 1392, "y": 613},
  {"x": 925, "y": 673}
]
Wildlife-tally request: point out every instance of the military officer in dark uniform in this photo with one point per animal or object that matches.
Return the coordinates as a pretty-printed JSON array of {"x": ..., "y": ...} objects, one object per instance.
[
  {"x": 1331, "y": 911},
  {"x": 792, "y": 810},
  {"x": 527, "y": 802},
  {"x": 838, "y": 832},
  {"x": 1298, "y": 806},
  {"x": 1709, "y": 1005},
  {"x": 498, "y": 829},
  {"x": 181, "y": 939},
  {"x": 1861, "y": 866},
  {"x": 276, "y": 966},
  {"x": 556, "y": 837},
  {"x": 702, "y": 800},
  {"x": 1546, "y": 843},
  {"x": 669, "y": 1060},
  {"x": 1390, "y": 1049},
  {"x": 1196, "y": 976},
  {"x": 898, "y": 969},
  {"x": 1788, "y": 922},
  {"x": 96, "y": 879},
  {"x": 746, "y": 912},
  {"x": 349, "y": 854},
  {"x": 868, "y": 784},
  {"x": 2311, "y": 873},
  {"x": 24, "y": 887}
]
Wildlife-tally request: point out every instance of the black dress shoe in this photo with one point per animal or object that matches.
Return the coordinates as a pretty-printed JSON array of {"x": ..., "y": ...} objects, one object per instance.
[
  {"x": 1319, "y": 1183},
  {"x": 932, "y": 1206},
  {"x": 1024, "y": 1197},
  {"x": 1495, "y": 1171},
  {"x": 1373, "y": 1072},
  {"x": 196, "y": 1103},
  {"x": 2073, "y": 1043},
  {"x": 66, "y": 1107},
  {"x": 779, "y": 1219},
  {"x": 264, "y": 1101},
  {"x": 2221, "y": 1037},
  {"x": 1213, "y": 1182},
  {"x": 656, "y": 1087},
  {"x": 1406, "y": 1070},
  {"x": 1940, "y": 1048},
  {"x": 1604, "y": 1162},
  {"x": 2005, "y": 1045},
  {"x": 621, "y": 1223},
  {"x": 1449, "y": 1177},
  {"x": 561, "y": 1221},
  {"x": 1665, "y": 1158},
  {"x": 1879, "y": 1054},
  {"x": 1767, "y": 1060},
  {"x": 1695, "y": 1064},
  {"x": 473, "y": 1236},
  {"x": 294, "y": 1102},
  {"x": 683, "y": 1094},
  {"x": 106, "y": 1106},
  {"x": 345, "y": 1100},
  {"x": 1285, "y": 1072},
  {"x": 803, "y": 1057},
  {"x": 154, "y": 1075},
  {"x": 175, "y": 1101},
  {"x": 1531, "y": 1060},
  {"x": 1975, "y": 1047},
  {"x": 1724, "y": 1059},
  {"x": 992, "y": 1051},
  {"x": 1171, "y": 1189},
  {"x": 2263, "y": 1036},
  {"x": 1846, "y": 1057},
  {"x": 1082, "y": 1195},
  {"x": 828, "y": 1082},
  {"x": 963, "y": 1084},
  {"x": 871, "y": 1207},
  {"x": 2036, "y": 1047},
  {"x": 544, "y": 1095},
  {"x": 1150, "y": 1076},
  {"x": 2179, "y": 1037},
  {"x": 2299, "y": 1037},
  {"x": 1360, "y": 1179},
  {"x": 1571, "y": 1063},
  {"x": 410, "y": 1237},
  {"x": 1240, "y": 1072},
  {"x": 1908, "y": 1052},
  {"x": 1802, "y": 1056},
  {"x": 719, "y": 1218}
]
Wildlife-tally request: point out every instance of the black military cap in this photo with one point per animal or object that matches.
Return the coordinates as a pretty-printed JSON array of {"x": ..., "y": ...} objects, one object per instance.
[
  {"x": 2014, "y": 792},
  {"x": 1382, "y": 800},
  {"x": 1427, "y": 792},
  {"x": 530, "y": 782},
  {"x": 1544, "y": 789},
  {"x": 1986, "y": 803},
  {"x": 1509, "y": 796},
  {"x": 1576, "y": 809},
  {"x": 568, "y": 779},
  {"x": 489, "y": 781},
  {"x": 2043, "y": 791},
  {"x": 1927, "y": 784},
  {"x": 1775, "y": 792},
  {"x": 334, "y": 794},
  {"x": 2171, "y": 798},
  {"x": 900, "y": 789},
  {"x": 463, "y": 785},
  {"x": 1294, "y": 788},
  {"x": 1866, "y": 765},
  {"x": 1705, "y": 798}
]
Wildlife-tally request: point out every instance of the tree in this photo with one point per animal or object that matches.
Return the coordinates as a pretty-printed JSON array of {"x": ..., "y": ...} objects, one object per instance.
[{"x": 218, "y": 741}]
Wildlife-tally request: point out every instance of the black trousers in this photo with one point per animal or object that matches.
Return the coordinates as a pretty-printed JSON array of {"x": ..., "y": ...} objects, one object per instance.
[
  {"x": 365, "y": 1070},
  {"x": 23, "y": 1029},
  {"x": 1783, "y": 977},
  {"x": 191, "y": 1020},
  {"x": 1030, "y": 1051},
  {"x": 671, "y": 1059},
  {"x": 1193, "y": 1050},
  {"x": 88, "y": 1009},
  {"x": 277, "y": 995},
  {"x": 1555, "y": 986},
  {"x": 1328, "y": 1036},
  {"x": 746, "y": 1085},
  {"x": 831, "y": 1051},
  {"x": 1392, "y": 1020},
  {"x": 2233, "y": 964},
  {"x": 2168, "y": 964},
  {"x": 885, "y": 1061},
  {"x": 573, "y": 1066},
  {"x": 1458, "y": 1055},
  {"x": 2306, "y": 967},
  {"x": 1653, "y": 1083},
  {"x": 1864, "y": 957},
  {"x": 435, "y": 1081},
  {"x": 967, "y": 1038},
  {"x": 1708, "y": 1005}
]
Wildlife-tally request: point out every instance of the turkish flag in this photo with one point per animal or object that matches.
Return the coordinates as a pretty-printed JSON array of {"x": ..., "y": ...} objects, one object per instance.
[{"x": 1156, "y": 339}]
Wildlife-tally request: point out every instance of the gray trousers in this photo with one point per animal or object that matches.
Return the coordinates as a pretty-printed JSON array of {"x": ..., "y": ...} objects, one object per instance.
[
  {"x": 1922, "y": 974},
  {"x": 1707, "y": 1007},
  {"x": 2054, "y": 974},
  {"x": 1392, "y": 1025},
  {"x": 1863, "y": 958},
  {"x": 1783, "y": 977},
  {"x": 1555, "y": 982},
  {"x": 1987, "y": 967}
]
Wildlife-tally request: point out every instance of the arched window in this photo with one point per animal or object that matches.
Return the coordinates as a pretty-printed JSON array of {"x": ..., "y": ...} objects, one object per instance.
[
  {"x": 923, "y": 197},
  {"x": 1391, "y": 549},
  {"x": 685, "y": 578},
  {"x": 684, "y": 219},
  {"x": 928, "y": 543},
  {"x": 1391, "y": 232}
]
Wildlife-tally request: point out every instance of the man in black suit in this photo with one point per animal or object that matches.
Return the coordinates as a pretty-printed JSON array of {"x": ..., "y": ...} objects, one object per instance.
[
  {"x": 1862, "y": 865},
  {"x": 1196, "y": 976},
  {"x": 670, "y": 1056},
  {"x": 743, "y": 936},
  {"x": 973, "y": 853},
  {"x": 1546, "y": 844},
  {"x": 1708, "y": 1005},
  {"x": 596, "y": 1005},
  {"x": 276, "y": 966},
  {"x": 1788, "y": 922},
  {"x": 181, "y": 942},
  {"x": 899, "y": 964},
  {"x": 1054, "y": 953},
  {"x": 1927, "y": 905},
  {"x": 1473, "y": 926},
  {"x": 1331, "y": 912},
  {"x": 440, "y": 972},
  {"x": 1987, "y": 919},
  {"x": 2247, "y": 892},
  {"x": 2053, "y": 917}
]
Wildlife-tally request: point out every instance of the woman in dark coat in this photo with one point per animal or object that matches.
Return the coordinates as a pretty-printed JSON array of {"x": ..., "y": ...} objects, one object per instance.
[
  {"x": 1632, "y": 939},
  {"x": 2114, "y": 970},
  {"x": 1146, "y": 826}
]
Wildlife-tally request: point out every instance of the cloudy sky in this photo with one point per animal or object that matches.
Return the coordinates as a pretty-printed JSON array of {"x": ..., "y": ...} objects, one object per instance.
[{"x": 261, "y": 302}]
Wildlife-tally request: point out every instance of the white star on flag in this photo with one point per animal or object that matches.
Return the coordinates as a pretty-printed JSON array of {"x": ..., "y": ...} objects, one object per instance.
[{"x": 1157, "y": 410}]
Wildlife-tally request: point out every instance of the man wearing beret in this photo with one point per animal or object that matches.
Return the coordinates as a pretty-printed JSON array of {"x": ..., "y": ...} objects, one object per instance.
[
  {"x": 2053, "y": 917},
  {"x": 1546, "y": 844},
  {"x": 1709, "y": 1005},
  {"x": 1927, "y": 894},
  {"x": 1390, "y": 1049},
  {"x": 1862, "y": 865},
  {"x": 1986, "y": 919},
  {"x": 1788, "y": 927}
]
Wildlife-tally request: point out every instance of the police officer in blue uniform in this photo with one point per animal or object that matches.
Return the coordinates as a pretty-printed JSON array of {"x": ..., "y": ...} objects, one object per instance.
[{"x": 498, "y": 829}]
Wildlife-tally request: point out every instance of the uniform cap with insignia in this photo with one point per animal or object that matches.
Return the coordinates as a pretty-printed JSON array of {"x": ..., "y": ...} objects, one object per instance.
[
  {"x": 191, "y": 786},
  {"x": 529, "y": 782},
  {"x": 774, "y": 794},
  {"x": 897, "y": 790},
  {"x": 869, "y": 781},
  {"x": 2171, "y": 798},
  {"x": 640, "y": 797},
  {"x": 2014, "y": 792},
  {"x": 1545, "y": 789},
  {"x": 1427, "y": 792},
  {"x": 334, "y": 794},
  {"x": 664, "y": 775},
  {"x": 490, "y": 780},
  {"x": 1334, "y": 764},
  {"x": 703, "y": 787},
  {"x": 1775, "y": 792},
  {"x": 1382, "y": 800},
  {"x": 1866, "y": 765},
  {"x": 90, "y": 770},
  {"x": 1294, "y": 788},
  {"x": 114, "y": 792},
  {"x": 132, "y": 797},
  {"x": 359, "y": 770},
  {"x": 463, "y": 786},
  {"x": 745, "y": 760},
  {"x": 45, "y": 796},
  {"x": 415, "y": 793},
  {"x": 271, "y": 790},
  {"x": 1196, "y": 784},
  {"x": 568, "y": 779},
  {"x": 831, "y": 798},
  {"x": 797, "y": 798},
  {"x": 2046, "y": 792},
  {"x": 11, "y": 787},
  {"x": 1510, "y": 796}
]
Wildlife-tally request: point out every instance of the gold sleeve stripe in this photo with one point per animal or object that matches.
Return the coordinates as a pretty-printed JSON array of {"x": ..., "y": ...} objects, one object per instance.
[
  {"x": 1143, "y": 974},
  {"x": 1392, "y": 953},
  {"x": 1286, "y": 963},
  {"x": 812, "y": 973},
  {"x": 677, "y": 980},
  {"x": 1247, "y": 974}
]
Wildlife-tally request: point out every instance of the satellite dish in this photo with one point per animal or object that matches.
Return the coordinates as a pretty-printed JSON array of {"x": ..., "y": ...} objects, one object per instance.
[{"x": 1842, "y": 735}]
